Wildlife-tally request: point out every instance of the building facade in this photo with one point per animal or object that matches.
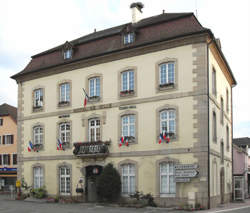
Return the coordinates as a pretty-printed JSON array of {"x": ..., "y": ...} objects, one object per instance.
[
  {"x": 8, "y": 147},
  {"x": 155, "y": 92}
]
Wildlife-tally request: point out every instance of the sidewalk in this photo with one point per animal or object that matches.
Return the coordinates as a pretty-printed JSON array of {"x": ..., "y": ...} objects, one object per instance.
[{"x": 228, "y": 206}]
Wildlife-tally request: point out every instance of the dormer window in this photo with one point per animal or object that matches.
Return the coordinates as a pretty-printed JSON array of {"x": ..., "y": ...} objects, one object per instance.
[
  {"x": 129, "y": 38},
  {"x": 68, "y": 54}
]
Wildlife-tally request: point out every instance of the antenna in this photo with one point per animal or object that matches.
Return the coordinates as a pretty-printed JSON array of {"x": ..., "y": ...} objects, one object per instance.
[{"x": 196, "y": 10}]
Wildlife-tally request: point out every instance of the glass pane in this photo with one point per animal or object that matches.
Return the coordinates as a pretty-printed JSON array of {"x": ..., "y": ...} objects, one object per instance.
[
  {"x": 67, "y": 92},
  {"x": 124, "y": 81},
  {"x": 132, "y": 185},
  {"x": 91, "y": 87},
  {"x": 125, "y": 184},
  {"x": 163, "y": 184},
  {"x": 163, "y": 79},
  {"x": 98, "y": 87},
  {"x": 170, "y": 73},
  {"x": 172, "y": 184},
  {"x": 131, "y": 80}
]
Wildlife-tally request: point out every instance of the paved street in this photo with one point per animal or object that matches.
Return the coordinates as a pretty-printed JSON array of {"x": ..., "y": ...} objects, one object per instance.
[{"x": 9, "y": 206}]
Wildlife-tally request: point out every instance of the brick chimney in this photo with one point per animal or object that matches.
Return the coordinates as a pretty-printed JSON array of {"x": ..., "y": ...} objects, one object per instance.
[{"x": 136, "y": 11}]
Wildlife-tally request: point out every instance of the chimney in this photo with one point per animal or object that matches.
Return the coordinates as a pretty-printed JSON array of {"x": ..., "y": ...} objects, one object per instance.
[
  {"x": 217, "y": 40},
  {"x": 136, "y": 12}
]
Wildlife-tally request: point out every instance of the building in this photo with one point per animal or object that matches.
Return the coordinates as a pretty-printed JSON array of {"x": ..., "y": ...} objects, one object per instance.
[
  {"x": 160, "y": 77},
  {"x": 8, "y": 147},
  {"x": 240, "y": 168}
]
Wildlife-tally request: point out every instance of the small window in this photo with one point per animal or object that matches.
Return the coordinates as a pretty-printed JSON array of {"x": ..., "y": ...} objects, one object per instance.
[
  {"x": 127, "y": 82},
  {"x": 128, "y": 127},
  {"x": 6, "y": 159},
  {"x": 222, "y": 111},
  {"x": 214, "y": 127},
  {"x": 128, "y": 179},
  {"x": 94, "y": 88},
  {"x": 14, "y": 159},
  {"x": 1, "y": 122},
  {"x": 64, "y": 93},
  {"x": 214, "y": 87},
  {"x": 167, "y": 179},
  {"x": 64, "y": 181},
  {"x": 38, "y": 177},
  {"x": 129, "y": 38},
  {"x": 94, "y": 130},
  {"x": 166, "y": 74},
  {"x": 68, "y": 54},
  {"x": 168, "y": 122},
  {"x": 8, "y": 139},
  {"x": 38, "y": 135},
  {"x": 64, "y": 131},
  {"x": 38, "y": 98}
]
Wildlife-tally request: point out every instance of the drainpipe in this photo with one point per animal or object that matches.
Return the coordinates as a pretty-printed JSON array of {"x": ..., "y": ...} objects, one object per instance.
[{"x": 208, "y": 129}]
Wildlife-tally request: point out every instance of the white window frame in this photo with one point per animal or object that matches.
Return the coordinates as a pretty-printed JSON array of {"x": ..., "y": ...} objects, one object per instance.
[
  {"x": 129, "y": 125},
  {"x": 167, "y": 175},
  {"x": 38, "y": 136},
  {"x": 8, "y": 136},
  {"x": 66, "y": 96},
  {"x": 168, "y": 120},
  {"x": 64, "y": 176},
  {"x": 38, "y": 177},
  {"x": 129, "y": 38},
  {"x": 131, "y": 173},
  {"x": 95, "y": 128},
  {"x": 67, "y": 54},
  {"x": 65, "y": 131},
  {"x": 95, "y": 86},
  {"x": 128, "y": 74},
  {"x": 165, "y": 80},
  {"x": 8, "y": 159},
  {"x": 38, "y": 98}
]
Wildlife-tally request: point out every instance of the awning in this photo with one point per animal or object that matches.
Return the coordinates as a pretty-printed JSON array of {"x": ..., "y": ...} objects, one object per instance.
[{"x": 8, "y": 175}]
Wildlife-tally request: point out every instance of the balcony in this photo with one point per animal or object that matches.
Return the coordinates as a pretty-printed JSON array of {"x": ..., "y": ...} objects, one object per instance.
[{"x": 97, "y": 149}]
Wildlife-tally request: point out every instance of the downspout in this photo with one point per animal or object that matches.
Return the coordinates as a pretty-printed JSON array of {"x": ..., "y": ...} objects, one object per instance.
[
  {"x": 232, "y": 196},
  {"x": 208, "y": 129}
]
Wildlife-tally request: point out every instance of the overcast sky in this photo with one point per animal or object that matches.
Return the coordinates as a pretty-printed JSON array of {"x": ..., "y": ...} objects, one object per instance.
[{"x": 28, "y": 27}]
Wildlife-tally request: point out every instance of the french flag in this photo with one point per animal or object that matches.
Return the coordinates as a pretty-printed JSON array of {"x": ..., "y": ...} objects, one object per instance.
[
  {"x": 126, "y": 141},
  {"x": 121, "y": 141},
  {"x": 59, "y": 144},
  {"x": 30, "y": 147},
  {"x": 86, "y": 98},
  {"x": 160, "y": 138}
]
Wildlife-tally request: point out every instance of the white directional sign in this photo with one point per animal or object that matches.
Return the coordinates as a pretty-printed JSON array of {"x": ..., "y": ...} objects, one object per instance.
[
  {"x": 186, "y": 166},
  {"x": 186, "y": 173},
  {"x": 182, "y": 180}
]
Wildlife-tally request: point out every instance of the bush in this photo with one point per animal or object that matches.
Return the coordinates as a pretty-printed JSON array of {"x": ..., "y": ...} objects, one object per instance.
[
  {"x": 147, "y": 198},
  {"x": 109, "y": 184},
  {"x": 39, "y": 193}
]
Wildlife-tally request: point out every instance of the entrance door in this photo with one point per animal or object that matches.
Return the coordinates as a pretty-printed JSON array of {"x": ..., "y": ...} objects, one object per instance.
[
  {"x": 222, "y": 185},
  {"x": 92, "y": 194},
  {"x": 238, "y": 188}
]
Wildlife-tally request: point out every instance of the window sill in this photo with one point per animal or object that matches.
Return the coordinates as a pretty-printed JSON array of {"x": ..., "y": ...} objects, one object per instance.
[
  {"x": 63, "y": 104},
  {"x": 94, "y": 99},
  {"x": 37, "y": 108},
  {"x": 127, "y": 93},
  {"x": 65, "y": 145},
  {"x": 168, "y": 195},
  {"x": 164, "y": 87},
  {"x": 38, "y": 147}
]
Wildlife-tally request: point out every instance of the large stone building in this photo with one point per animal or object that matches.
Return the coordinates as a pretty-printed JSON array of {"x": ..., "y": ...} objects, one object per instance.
[
  {"x": 8, "y": 147},
  {"x": 160, "y": 77}
]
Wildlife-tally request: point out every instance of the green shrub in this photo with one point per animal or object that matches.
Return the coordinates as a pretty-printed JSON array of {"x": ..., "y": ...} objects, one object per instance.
[
  {"x": 109, "y": 184},
  {"x": 39, "y": 193}
]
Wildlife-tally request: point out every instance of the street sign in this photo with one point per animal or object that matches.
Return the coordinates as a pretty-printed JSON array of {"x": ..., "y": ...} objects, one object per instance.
[
  {"x": 182, "y": 180},
  {"x": 186, "y": 166},
  {"x": 186, "y": 173}
]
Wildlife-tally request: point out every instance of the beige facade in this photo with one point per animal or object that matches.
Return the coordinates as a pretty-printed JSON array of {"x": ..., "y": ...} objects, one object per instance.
[{"x": 190, "y": 97}]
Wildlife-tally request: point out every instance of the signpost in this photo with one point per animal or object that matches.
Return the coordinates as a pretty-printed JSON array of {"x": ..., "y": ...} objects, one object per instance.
[{"x": 184, "y": 172}]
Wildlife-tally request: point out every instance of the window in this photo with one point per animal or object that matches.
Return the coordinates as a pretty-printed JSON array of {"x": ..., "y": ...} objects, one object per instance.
[
  {"x": 8, "y": 139},
  {"x": 214, "y": 88},
  {"x": 227, "y": 138},
  {"x": 65, "y": 93},
  {"x": 127, "y": 79},
  {"x": 214, "y": 127},
  {"x": 94, "y": 88},
  {"x": 38, "y": 98},
  {"x": 64, "y": 182},
  {"x": 222, "y": 111},
  {"x": 128, "y": 38},
  {"x": 128, "y": 127},
  {"x": 38, "y": 135},
  {"x": 38, "y": 177},
  {"x": 68, "y": 54},
  {"x": 167, "y": 178},
  {"x": 166, "y": 74},
  {"x": 94, "y": 130},
  {"x": 227, "y": 101},
  {"x": 64, "y": 132},
  {"x": 1, "y": 122},
  {"x": 128, "y": 179},
  {"x": 167, "y": 121},
  {"x": 14, "y": 159},
  {"x": 222, "y": 152},
  {"x": 6, "y": 159},
  {"x": 0, "y": 139}
]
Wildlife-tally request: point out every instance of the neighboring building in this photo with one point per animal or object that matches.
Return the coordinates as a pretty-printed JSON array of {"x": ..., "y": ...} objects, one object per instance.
[
  {"x": 8, "y": 146},
  {"x": 240, "y": 168},
  {"x": 160, "y": 75}
]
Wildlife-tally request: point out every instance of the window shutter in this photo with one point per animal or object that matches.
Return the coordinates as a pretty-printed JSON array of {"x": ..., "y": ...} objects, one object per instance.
[
  {"x": 12, "y": 139},
  {"x": 4, "y": 139},
  {"x": 8, "y": 159}
]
